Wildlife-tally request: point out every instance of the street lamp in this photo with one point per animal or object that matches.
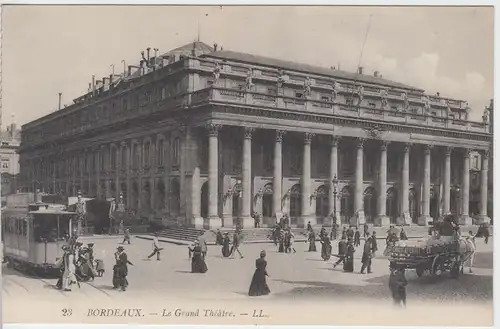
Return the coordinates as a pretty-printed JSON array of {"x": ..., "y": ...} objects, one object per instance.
[
  {"x": 335, "y": 182},
  {"x": 457, "y": 201}
]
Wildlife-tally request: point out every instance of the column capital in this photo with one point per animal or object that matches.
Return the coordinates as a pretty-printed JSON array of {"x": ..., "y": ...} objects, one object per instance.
[
  {"x": 427, "y": 149},
  {"x": 406, "y": 146},
  {"x": 248, "y": 132},
  {"x": 213, "y": 129},
  {"x": 467, "y": 153},
  {"x": 448, "y": 150},
  {"x": 361, "y": 142},
  {"x": 279, "y": 135},
  {"x": 485, "y": 154},
  {"x": 334, "y": 140},
  {"x": 384, "y": 145},
  {"x": 308, "y": 138}
]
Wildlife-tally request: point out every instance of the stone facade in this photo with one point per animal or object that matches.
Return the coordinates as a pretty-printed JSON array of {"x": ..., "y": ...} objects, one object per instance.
[
  {"x": 9, "y": 157},
  {"x": 210, "y": 138}
]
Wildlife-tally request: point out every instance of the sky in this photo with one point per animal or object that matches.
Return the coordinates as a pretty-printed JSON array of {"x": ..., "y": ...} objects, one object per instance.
[{"x": 56, "y": 49}]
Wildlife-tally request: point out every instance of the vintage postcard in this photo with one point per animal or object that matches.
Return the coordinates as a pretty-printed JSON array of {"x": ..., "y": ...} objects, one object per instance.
[{"x": 269, "y": 165}]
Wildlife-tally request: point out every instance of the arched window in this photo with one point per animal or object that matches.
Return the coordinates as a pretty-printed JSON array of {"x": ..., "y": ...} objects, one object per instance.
[
  {"x": 267, "y": 201},
  {"x": 392, "y": 205},
  {"x": 346, "y": 204},
  {"x": 295, "y": 201},
  {"x": 370, "y": 204},
  {"x": 322, "y": 204}
]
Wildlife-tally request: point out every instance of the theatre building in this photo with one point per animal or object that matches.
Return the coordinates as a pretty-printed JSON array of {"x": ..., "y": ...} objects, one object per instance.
[{"x": 202, "y": 136}]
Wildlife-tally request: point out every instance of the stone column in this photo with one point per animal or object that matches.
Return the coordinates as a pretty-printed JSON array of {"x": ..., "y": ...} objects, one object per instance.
[
  {"x": 246, "y": 216},
  {"x": 334, "y": 172},
  {"x": 196, "y": 198},
  {"x": 446, "y": 181},
  {"x": 483, "y": 215},
  {"x": 278, "y": 172},
  {"x": 359, "y": 213},
  {"x": 382, "y": 218},
  {"x": 405, "y": 218},
  {"x": 466, "y": 219},
  {"x": 306, "y": 182},
  {"x": 213, "y": 175},
  {"x": 426, "y": 195}
]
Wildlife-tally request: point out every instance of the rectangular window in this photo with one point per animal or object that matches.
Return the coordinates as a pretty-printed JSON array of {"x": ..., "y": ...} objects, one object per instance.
[
  {"x": 372, "y": 105},
  {"x": 5, "y": 164},
  {"x": 348, "y": 101},
  {"x": 241, "y": 87},
  {"x": 160, "y": 152},
  {"x": 434, "y": 114},
  {"x": 325, "y": 98},
  {"x": 210, "y": 83},
  {"x": 394, "y": 108},
  {"x": 299, "y": 94}
]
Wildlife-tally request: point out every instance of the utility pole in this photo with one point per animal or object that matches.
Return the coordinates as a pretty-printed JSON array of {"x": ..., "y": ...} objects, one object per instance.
[{"x": 60, "y": 97}]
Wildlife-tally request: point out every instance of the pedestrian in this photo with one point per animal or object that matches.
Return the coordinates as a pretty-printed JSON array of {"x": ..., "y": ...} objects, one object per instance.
[
  {"x": 258, "y": 285},
  {"x": 122, "y": 268},
  {"x": 309, "y": 226},
  {"x": 256, "y": 219},
  {"x": 67, "y": 263},
  {"x": 203, "y": 245},
  {"x": 326, "y": 248},
  {"x": 397, "y": 285},
  {"x": 486, "y": 234},
  {"x": 198, "y": 264},
  {"x": 334, "y": 232},
  {"x": 374, "y": 243},
  {"x": 357, "y": 238},
  {"x": 156, "y": 248},
  {"x": 236, "y": 243},
  {"x": 219, "y": 239},
  {"x": 341, "y": 253},
  {"x": 312, "y": 240},
  {"x": 126, "y": 236},
  {"x": 344, "y": 233},
  {"x": 402, "y": 235},
  {"x": 349, "y": 257},
  {"x": 366, "y": 259},
  {"x": 366, "y": 232},
  {"x": 350, "y": 233},
  {"x": 291, "y": 240},
  {"x": 226, "y": 252}
]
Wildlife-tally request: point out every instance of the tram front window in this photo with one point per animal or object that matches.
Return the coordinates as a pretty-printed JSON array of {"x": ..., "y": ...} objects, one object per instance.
[{"x": 50, "y": 228}]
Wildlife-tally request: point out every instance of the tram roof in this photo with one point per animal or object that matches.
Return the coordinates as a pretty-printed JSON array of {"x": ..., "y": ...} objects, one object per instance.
[{"x": 52, "y": 212}]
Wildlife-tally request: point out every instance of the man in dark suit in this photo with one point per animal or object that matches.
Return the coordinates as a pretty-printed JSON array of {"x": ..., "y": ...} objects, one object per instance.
[
  {"x": 366, "y": 259},
  {"x": 236, "y": 243},
  {"x": 341, "y": 253}
]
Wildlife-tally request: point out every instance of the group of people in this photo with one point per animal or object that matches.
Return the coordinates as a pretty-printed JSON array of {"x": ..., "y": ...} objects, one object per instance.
[{"x": 229, "y": 248}]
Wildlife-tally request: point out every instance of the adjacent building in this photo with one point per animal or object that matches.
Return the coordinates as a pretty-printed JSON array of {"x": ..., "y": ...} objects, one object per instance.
[
  {"x": 205, "y": 137},
  {"x": 9, "y": 157}
]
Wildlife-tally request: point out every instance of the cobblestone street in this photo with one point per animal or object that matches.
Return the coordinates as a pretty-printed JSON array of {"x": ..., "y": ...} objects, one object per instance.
[{"x": 300, "y": 275}]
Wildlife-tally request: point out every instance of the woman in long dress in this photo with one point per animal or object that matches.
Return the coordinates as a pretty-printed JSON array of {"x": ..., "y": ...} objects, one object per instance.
[
  {"x": 198, "y": 264},
  {"x": 281, "y": 246},
  {"x": 258, "y": 286},
  {"x": 226, "y": 251},
  {"x": 312, "y": 241}
]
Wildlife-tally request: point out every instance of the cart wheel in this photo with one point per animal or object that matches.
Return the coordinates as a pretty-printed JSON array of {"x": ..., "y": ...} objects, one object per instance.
[
  {"x": 420, "y": 271},
  {"x": 437, "y": 267}
]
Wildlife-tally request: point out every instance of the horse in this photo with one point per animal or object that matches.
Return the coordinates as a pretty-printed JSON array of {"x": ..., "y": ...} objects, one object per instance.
[{"x": 467, "y": 251}]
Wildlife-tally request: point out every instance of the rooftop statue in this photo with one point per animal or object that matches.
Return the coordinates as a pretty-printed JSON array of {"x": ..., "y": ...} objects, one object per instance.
[{"x": 427, "y": 104}]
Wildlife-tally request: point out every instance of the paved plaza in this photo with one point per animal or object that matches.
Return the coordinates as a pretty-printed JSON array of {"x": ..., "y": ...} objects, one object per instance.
[{"x": 291, "y": 276}]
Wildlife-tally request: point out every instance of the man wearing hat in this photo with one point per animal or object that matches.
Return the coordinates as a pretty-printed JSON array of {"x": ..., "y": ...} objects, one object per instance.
[
  {"x": 156, "y": 248},
  {"x": 121, "y": 269},
  {"x": 90, "y": 252}
]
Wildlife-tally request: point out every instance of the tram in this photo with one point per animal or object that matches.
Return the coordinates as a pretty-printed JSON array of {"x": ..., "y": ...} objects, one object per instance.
[{"x": 33, "y": 235}]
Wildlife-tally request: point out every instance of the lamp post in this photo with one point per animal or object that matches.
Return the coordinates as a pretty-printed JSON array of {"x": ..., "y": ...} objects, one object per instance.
[
  {"x": 457, "y": 198},
  {"x": 335, "y": 182}
]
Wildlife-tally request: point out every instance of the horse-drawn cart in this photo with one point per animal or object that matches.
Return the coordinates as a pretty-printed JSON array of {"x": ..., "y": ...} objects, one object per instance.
[{"x": 435, "y": 255}]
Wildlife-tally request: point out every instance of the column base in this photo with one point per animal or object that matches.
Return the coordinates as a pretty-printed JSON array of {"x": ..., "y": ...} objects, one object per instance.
[
  {"x": 382, "y": 221},
  {"x": 465, "y": 220},
  {"x": 247, "y": 222},
  {"x": 483, "y": 219},
  {"x": 424, "y": 220},
  {"x": 227, "y": 220},
  {"x": 214, "y": 222},
  {"x": 358, "y": 219},
  {"x": 404, "y": 219},
  {"x": 197, "y": 222}
]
